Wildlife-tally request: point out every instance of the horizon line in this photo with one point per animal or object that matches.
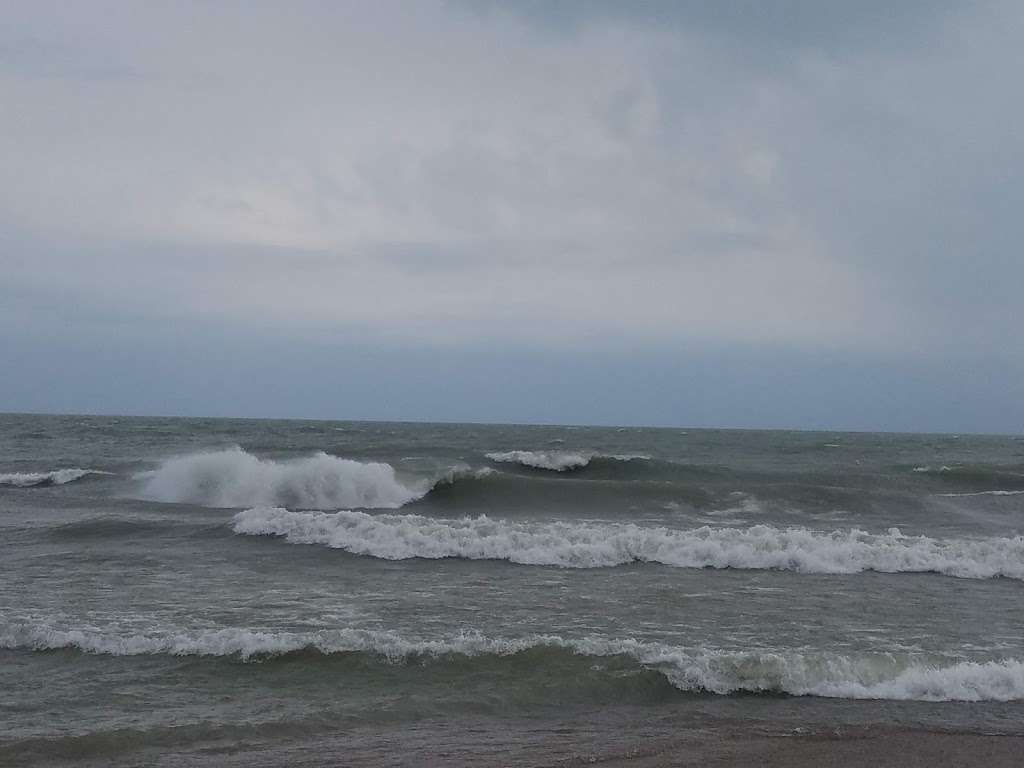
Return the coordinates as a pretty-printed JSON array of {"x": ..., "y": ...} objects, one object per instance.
[{"x": 538, "y": 424}]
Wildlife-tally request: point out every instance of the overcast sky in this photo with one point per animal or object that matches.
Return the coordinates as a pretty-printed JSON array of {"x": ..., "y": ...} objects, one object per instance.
[{"x": 742, "y": 214}]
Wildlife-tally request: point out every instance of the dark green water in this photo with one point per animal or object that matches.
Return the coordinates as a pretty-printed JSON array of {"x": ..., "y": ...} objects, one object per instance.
[{"x": 215, "y": 585}]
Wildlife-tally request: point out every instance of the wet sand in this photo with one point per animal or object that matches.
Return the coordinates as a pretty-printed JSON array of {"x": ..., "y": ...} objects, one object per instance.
[
  {"x": 878, "y": 747},
  {"x": 597, "y": 738},
  {"x": 731, "y": 745}
]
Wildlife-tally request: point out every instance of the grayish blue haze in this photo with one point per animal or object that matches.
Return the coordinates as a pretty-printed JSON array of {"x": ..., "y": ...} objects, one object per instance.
[{"x": 793, "y": 214}]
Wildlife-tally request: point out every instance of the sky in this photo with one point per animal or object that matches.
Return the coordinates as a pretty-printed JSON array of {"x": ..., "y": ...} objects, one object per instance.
[{"x": 798, "y": 214}]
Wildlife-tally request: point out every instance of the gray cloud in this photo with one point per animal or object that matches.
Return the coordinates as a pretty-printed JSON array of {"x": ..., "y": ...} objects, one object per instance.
[
  {"x": 755, "y": 27},
  {"x": 802, "y": 176}
]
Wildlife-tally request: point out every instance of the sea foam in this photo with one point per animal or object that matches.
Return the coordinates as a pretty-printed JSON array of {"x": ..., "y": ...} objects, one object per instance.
[
  {"x": 53, "y": 477},
  {"x": 555, "y": 461},
  {"x": 596, "y": 545},
  {"x": 983, "y": 493},
  {"x": 560, "y": 461},
  {"x": 802, "y": 673},
  {"x": 234, "y": 478}
]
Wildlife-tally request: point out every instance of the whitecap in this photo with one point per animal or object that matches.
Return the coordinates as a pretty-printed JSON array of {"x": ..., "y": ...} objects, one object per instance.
[
  {"x": 234, "y": 478},
  {"x": 52, "y": 477},
  {"x": 894, "y": 676},
  {"x": 556, "y": 461},
  {"x": 596, "y": 545}
]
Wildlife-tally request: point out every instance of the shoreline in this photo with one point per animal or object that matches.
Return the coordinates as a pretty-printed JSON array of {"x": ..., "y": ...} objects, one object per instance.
[
  {"x": 594, "y": 739},
  {"x": 846, "y": 747}
]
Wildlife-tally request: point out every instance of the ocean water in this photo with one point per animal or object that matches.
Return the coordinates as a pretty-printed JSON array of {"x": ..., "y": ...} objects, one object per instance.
[{"x": 195, "y": 589}]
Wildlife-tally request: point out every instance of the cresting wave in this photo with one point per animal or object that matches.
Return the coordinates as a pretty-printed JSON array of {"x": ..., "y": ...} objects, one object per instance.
[
  {"x": 801, "y": 673},
  {"x": 557, "y": 461},
  {"x": 53, "y": 477},
  {"x": 234, "y": 478},
  {"x": 596, "y": 545}
]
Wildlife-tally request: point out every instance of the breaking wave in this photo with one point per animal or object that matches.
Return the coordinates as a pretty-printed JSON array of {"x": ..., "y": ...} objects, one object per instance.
[
  {"x": 53, "y": 477},
  {"x": 597, "y": 545},
  {"x": 897, "y": 676},
  {"x": 562, "y": 461},
  {"x": 556, "y": 461},
  {"x": 234, "y": 478}
]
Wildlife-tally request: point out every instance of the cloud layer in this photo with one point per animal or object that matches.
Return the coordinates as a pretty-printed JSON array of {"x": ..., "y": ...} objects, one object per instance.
[{"x": 457, "y": 174}]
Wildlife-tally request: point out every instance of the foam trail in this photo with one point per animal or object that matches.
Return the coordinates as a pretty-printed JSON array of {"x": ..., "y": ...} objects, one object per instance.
[
  {"x": 596, "y": 545},
  {"x": 556, "y": 461},
  {"x": 234, "y": 478},
  {"x": 53, "y": 477},
  {"x": 802, "y": 673},
  {"x": 983, "y": 493}
]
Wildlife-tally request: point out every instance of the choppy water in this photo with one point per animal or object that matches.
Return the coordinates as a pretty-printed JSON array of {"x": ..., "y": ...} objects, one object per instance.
[{"x": 172, "y": 584}]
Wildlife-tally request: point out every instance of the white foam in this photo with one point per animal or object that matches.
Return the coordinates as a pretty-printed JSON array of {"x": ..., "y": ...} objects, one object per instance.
[
  {"x": 983, "y": 493},
  {"x": 234, "y": 478},
  {"x": 802, "y": 673},
  {"x": 595, "y": 545},
  {"x": 556, "y": 461},
  {"x": 461, "y": 472},
  {"x": 875, "y": 676},
  {"x": 53, "y": 477}
]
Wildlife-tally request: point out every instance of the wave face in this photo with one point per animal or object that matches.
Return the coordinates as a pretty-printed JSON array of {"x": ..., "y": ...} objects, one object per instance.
[
  {"x": 977, "y": 477},
  {"x": 234, "y": 478},
  {"x": 597, "y": 545},
  {"x": 804, "y": 673},
  {"x": 53, "y": 477},
  {"x": 555, "y": 461}
]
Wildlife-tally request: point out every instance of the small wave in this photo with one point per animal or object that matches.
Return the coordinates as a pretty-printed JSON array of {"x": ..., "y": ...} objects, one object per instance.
[
  {"x": 560, "y": 461},
  {"x": 598, "y": 545},
  {"x": 801, "y": 673},
  {"x": 982, "y": 493},
  {"x": 234, "y": 478},
  {"x": 113, "y": 527},
  {"x": 555, "y": 461},
  {"x": 53, "y": 477},
  {"x": 461, "y": 472},
  {"x": 971, "y": 472}
]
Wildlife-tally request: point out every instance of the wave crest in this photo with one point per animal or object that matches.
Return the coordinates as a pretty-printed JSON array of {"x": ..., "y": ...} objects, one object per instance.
[
  {"x": 802, "y": 673},
  {"x": 53, "y": 477},
  {"x": 555, "y": 461},
  {"x": 596, "y": 545},
  {"x": 560, "y": 461},
  {"x": 234, "y": 478}
]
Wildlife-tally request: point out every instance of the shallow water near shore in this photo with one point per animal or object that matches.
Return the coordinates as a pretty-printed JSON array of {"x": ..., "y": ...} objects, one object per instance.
[{"x": 207, "y": 587}]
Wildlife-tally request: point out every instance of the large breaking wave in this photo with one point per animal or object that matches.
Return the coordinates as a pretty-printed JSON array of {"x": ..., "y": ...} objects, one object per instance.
[
  {"x": 234, "y": 478},
  {"x": 53, "y": 477},
  {"x": 596, "y": 545},
  {"x": 900, "y": 676}
]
